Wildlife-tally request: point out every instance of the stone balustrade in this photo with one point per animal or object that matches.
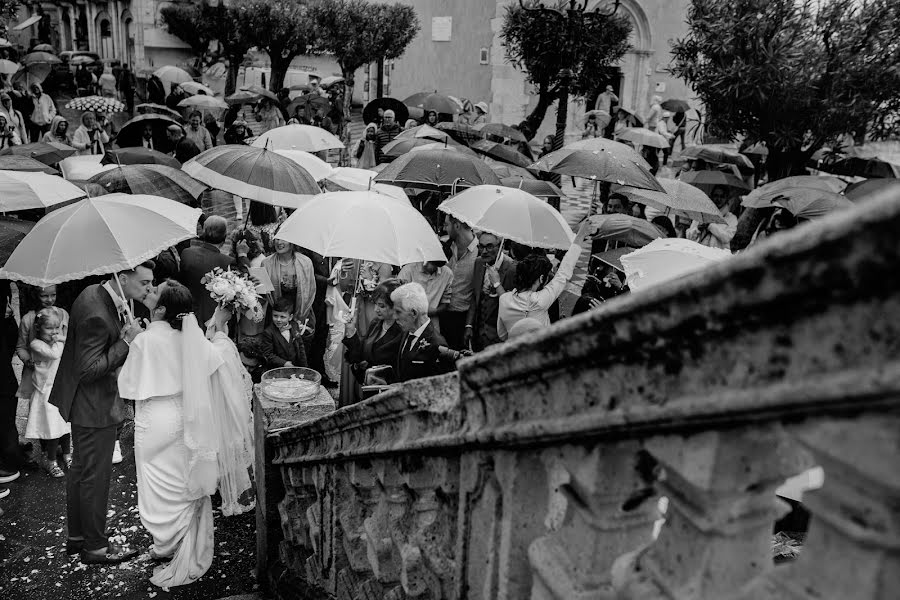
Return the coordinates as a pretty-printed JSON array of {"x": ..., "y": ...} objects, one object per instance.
[{"x": 536, "y": 470}]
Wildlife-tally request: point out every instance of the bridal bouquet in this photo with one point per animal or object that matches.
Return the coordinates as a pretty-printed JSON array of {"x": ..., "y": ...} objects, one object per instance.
[{"x": 235, "y": 292}]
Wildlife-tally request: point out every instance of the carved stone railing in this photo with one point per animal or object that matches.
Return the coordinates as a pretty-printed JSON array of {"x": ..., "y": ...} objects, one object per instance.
[{"x": 535, "y": 472}]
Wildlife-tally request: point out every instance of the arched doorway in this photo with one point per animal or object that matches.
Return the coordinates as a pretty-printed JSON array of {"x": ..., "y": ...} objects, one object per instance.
[
  {"x": 103, "y": 33},
  {"x": 127, "y": 29},
  {"x": 629, "y": 79}
]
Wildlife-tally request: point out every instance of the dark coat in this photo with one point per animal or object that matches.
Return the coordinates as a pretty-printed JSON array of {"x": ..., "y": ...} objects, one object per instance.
[
  {"x": 86, "y": 391},
  {"x": 483, "y": 319},
  {"x": 196, "y": 261},
  {"x": 185, "y": 150},
  {"x": 8, "y": 339},
  {"x": 383, "y": 137},
  {"x": 372, "y": 351},
  {"x": 424, "y": 359},
  {"x": 278, "y": 350},
  {"x": 156, "y": 93}
]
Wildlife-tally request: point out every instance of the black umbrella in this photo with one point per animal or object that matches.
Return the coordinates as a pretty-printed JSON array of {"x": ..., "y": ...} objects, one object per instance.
[
  {"x": 862, "y": 189},
  {"x": 148, "y": 108},
  {"x": 370, "y": 112},
  {"x": 460, "y": 132},
  {"x": 310, "y": 103},
  {"x": 138, "y": 156},
  {"x": 14, "y": 162},
  {"x": 440, "y": 170},
  {"x": 501, "y": 130},
  {"x": 154, "y": 180},
  {"x": 870, "y": 168},
  {"x": 535, "y": 187},
  {"x": 131, "y": 133},
  {"x": 501, "y": 152},
  {"x": 675, "y": 105},
  {"x": 48, "y": 153},
  {"x": 12, "y": 231},
  {"x": 433, "y": 101}
]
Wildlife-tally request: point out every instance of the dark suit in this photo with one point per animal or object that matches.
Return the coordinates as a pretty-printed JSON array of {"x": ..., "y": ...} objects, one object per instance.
[
  {"x": 11, "y": 457},
  {"x": 196, "y": 261},
  {"x": 87, "y": 394},
  {"x": 423, "y": 359},
  {"x": 371, "y": 350},
  {"x": 483, "y": 310},
  {"x": 278, "y": 350}
]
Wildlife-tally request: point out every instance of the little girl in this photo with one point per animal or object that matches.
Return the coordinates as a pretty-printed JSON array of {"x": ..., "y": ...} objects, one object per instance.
[{"x": 44, "y": 420}]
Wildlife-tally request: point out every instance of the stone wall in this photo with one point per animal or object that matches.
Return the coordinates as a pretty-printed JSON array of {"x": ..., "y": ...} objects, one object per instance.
[{"x": 536, "y": 471}]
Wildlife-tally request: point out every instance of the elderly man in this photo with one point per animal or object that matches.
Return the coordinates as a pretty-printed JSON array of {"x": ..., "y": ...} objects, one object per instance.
[
  {"x": 183, "y": 148},
  {"x": 386, "y": 133},
  {"x": 495, "y": 274},
  {"x": 420, "y": 350},
  {"x": 197, "y": 133},
  {"x": 436, "y": 278}
]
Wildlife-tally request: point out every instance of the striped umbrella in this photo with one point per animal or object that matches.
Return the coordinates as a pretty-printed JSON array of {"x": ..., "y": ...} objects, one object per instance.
[
  {"x": 254, "y": 173},
  {"x": 96, "y": 103},
  {"x": 679, "y": 198},
  {"x": 152, "y": 180}
]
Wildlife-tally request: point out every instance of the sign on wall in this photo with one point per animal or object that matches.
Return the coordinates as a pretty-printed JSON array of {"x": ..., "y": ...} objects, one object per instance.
[{"x": 441, "y": 28}]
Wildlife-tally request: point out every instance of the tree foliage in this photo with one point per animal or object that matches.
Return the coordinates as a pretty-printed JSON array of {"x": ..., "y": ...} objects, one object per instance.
[
  {"x": 536, "y": 44},
  {"x": 9, "y": 10},
  {"x": 283, "y": 28},
  {"x": 793, "y": 73}
]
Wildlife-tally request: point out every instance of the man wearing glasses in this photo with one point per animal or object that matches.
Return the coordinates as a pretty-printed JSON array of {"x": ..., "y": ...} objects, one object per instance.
[{"x": 495, "y": 273}]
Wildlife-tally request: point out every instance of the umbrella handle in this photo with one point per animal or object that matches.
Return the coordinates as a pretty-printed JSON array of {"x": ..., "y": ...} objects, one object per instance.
[{"x": 499, "y": 260}]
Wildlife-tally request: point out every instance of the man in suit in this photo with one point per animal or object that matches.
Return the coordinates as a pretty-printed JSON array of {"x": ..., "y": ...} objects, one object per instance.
[
  {"x": 420, "y": 351},
  {"x": 282, "y": 341},
  {"x": 201, "y": 257},
  {"x": 488, "y": 284},
  {"x": 183, "y": 148},
  {"x": 86, "y": 393}
]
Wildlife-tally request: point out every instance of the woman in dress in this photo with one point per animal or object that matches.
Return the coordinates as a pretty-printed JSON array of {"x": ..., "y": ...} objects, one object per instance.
[
  {"x": 193, "y": 431},
  {"x": 293, "y": 275}
]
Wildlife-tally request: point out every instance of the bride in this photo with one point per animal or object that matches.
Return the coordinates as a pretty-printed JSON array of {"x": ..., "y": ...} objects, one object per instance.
[{"x": 193, "y": 431}]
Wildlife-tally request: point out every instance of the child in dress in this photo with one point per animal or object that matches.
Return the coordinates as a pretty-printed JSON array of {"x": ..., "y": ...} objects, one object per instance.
[{"x": 44, "y": 420}]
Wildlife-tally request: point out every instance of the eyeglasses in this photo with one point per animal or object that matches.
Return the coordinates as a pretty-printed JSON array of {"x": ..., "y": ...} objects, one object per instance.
[{"x": 487, "y": 246}]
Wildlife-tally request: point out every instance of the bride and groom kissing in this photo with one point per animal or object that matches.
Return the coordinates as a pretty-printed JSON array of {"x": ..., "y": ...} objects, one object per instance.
[{"x": 193, "y": 430}]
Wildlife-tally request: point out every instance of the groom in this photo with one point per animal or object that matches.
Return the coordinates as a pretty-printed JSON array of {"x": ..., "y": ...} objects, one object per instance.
[{"x": 86, "y": 393}]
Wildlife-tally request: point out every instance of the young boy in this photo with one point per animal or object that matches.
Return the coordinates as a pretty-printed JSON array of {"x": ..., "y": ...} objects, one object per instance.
[{"x": 282, "y": 342}]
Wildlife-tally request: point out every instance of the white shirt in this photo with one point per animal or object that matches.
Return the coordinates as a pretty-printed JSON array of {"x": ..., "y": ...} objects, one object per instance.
[
  {"x": 147, "y": 143},
  {"x": 117, "y": 300}
]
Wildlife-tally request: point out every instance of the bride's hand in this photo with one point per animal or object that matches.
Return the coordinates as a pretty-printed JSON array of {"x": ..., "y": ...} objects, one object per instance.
[{"x": 218, "y": 323}]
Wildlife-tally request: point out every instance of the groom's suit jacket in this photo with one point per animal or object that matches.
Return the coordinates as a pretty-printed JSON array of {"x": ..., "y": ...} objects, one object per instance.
[{"x": 85, "y": 390}]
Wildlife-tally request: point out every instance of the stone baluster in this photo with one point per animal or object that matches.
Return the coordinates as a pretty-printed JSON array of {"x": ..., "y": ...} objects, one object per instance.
[
  {"x": 722, "y": 504},
  {"x": 392, "y": 505},
  {"x": 609, "y": 505},
  {"x": 851, "y": 549},
  {"x": 357, "y": 498}
]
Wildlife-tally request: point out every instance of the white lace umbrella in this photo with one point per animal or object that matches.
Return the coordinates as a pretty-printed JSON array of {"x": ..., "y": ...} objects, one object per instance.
[
  {"x": 22, "y": 190},
  {"x": 512, "y": 214},
  {"x": 298, "y": 137},
  {"x": 99, "y": 236},
  {"x": 363, "y": 225},
  {"x": 666, "y": 259}
]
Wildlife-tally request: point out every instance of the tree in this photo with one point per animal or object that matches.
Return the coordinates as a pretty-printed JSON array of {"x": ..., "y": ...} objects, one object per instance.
[
  {"x": 280, "y": 27},
  {"x": 9, "y": 10},
  {"x": 536, "y": 45},
  {"x": 357, "y": 32},
  {"x": 794, "y": 74},
  {"x": 200, "y": 24}
]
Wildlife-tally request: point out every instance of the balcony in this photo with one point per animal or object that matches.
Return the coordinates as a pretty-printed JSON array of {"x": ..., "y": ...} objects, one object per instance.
[{"x": 536, "y": 471}]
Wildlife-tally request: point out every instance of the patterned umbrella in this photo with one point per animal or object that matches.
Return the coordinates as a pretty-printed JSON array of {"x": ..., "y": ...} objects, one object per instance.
[
  {"x": 138, "y": 156},
  {"x": 440, "y": 170},
  {"x": 96, "y": 104},
  {"x": 153, "y": 180},
  {"x": 501, "y": 130},
  {"x": 605, "y": 164},
  {"x": 501, "y": 152},
  {"x": 48, "y": 153},
  {"x": 14, "y": 162},
  {"x": 255, "y": 173},
  {"x": 764, "y": 196},
  {"x": 679, "y": 198}
]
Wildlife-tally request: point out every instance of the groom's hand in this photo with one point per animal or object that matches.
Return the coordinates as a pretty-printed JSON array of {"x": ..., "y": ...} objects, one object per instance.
[{"x": 131, "y": 331}]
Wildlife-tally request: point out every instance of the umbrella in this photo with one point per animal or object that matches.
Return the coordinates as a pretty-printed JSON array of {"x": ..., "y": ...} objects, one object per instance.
[
  {"x": 8, "y": 67},
  {"x": 315, "y": 166},
  {"x": 512, "y": 214},
  {"x": 12, "y": 232},
  {"x": 15, "y": 162},
  {"x": 263, "y": 92},
  {"x": 24, "y": 190},
  {"x": 707, "y": 180},
  {"x": 254, "y": 173},
  {"x": 501, "y": 130},
  {"x": 453, "y": 145},
  {"x": 310, "y": 103},
  {"x": 461, "y": 132},
  {"x": 762, "y": 197},
  {"x": 424, "y": 132},
  {"x": 203, "y": 101},
  {"x": 152, "y": 180},
  {"x": 807, "y": 203},
  {"x": 43, "y": 48},
  {"x": 535, "y": 187},
  {"x": 759, "y": 148},
  {"x": 131, "y": 133},
  {"x": 298, "y": 137},
  {"x": 96, "y": 104},
  {"x": 170, "y": 74},
  {"x": 667, "y": 259},
  {"x": 632, "y": 114},
  {"x": 91, "y": 190},
  {"x": 611, "y": 145},
  {"x": 48, "y": 153},
  {"x": 868, "y": 167},
  {"x": 82, "y": 168},
  {"x": 158, "y": 109},
  {"x": 861, "y": 189},
  {"x": 32, "y": 73},
  {"x": 138, "y": 156},
  {"x": 504, "y": 170},
  {"x": 400, "y": 146},
  {"x": 604, "y": 164},
  {"x": 501, "y": 152},
  {"x": 679, "y": 198},
  {"x": 40, "y": 57},
  {"x": 83, "y": 59},
  {"x": 370, "y": 112},
  {"x": 600, "y": 116},
  {"x": 330, "y": 81},
  {"x": 365, "y": 226},
  {"x": 123, "y": 230},
  {"x": 241, "y": 97},
  {"x": 441, "y": 170},
  {"x": 623, "y": 230},
  {"x": 718, "y": 155},
  {"x": 360, "y": 180},
  {"x": 434, "y": 101},
  {"x": 5, "y": 43},
  {"x": 194, "y": 87},
  {"x": 644, "y": 137},
  {"x": 675, "y": 105}
]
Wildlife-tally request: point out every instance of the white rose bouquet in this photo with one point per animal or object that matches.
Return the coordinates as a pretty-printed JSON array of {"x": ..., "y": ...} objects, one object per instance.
[{"x": 235, "y": 292}]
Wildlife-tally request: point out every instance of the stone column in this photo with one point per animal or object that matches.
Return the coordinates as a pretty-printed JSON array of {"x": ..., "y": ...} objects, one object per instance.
[
  {"x": 91, "y": 13},
  {"x": 73, "y": 8}
]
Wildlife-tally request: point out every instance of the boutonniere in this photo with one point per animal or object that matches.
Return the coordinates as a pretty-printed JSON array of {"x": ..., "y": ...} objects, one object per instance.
[{"x": 423, "y": 343}]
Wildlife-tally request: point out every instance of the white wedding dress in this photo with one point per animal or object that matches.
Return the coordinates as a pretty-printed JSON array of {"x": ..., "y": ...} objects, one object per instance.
[{"x": 193, "y": 434}]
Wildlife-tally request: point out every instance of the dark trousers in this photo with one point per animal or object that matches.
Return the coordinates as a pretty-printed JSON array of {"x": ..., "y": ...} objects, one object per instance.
[
  {"x": 11, "y": 457},
  {"x": 88, "y": 484},
  {"x": 453, "y": 328}
]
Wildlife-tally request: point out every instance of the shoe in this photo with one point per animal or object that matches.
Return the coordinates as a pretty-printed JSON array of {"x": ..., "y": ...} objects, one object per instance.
[
  {"x": 4, "y": 491},
  {"x": 114, "y": 554},
  {"x": 54, "y": 471},
  {"x": 76, "y": 546},
  {"x": 7, "y": 476},
  {"x": 67, "y": 459},
  {"x": 117, "y": 453}
]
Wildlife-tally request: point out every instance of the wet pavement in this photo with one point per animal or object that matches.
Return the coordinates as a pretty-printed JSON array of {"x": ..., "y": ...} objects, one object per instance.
[{"x": 34, "y": 565}]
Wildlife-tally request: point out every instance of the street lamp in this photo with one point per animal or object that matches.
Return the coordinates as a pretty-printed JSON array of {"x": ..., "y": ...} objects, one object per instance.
[{"x": 576, "y": 15}]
